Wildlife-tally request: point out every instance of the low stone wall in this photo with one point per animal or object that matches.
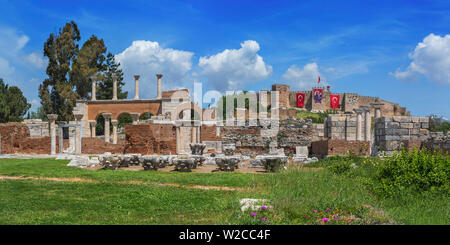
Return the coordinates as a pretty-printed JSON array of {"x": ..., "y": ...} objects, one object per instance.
[
  {"x": 38, "y": 128},
  {"x": 318, "y": 130},
  {"x": 343, "y": 126},
  {"x": 438, "y": 141},
  {"x": 256, "y": 139},
  {"x": 394, "y": 133},
  {"x": 335, "y": 147},
  {"x": 149, "y": 139}
]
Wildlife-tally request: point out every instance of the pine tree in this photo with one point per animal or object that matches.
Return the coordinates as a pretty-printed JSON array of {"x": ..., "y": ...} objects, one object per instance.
[{"x": 105, "y": 91}]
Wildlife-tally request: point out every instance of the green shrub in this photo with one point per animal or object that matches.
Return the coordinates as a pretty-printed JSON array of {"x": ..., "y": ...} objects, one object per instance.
[
  {"x": 420, "y": 171},
  {"x": 273, "y": 165},
  {"x": 340, "y": 167}
]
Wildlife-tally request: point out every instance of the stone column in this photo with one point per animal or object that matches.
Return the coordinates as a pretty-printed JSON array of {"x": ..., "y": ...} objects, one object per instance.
[
  {"x": 107, "y": 117},
  {"x": 78, "y": 117},
  {"x": 377, "y": 108},
  {"x": 159, "y": 94},
  {"x": 136, "y": 87},
  {"x": 93, "y": 92},
  {"x": 359, "y": 133},
  {"x": 114, "y": 87},
  {"x": 0, "y": 144},
  {"x": 114, "y": 123},
  {"x": 178, "y": 138},
  {"x": 193, "y": 134},
  {"x": 51, "y": 121},
  {"x": 135, "y": 118},
  {"x": 93, "y": 123},
  {"x": 367, "y": 122}
]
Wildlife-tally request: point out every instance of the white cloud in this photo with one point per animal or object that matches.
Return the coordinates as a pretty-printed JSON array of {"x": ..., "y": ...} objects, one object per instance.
[
  {"x": 146, "y": 58},
  {"x": 36, "y": 60},
  {"x": 12, "y": 55},
  {"x": 11, "y": 41},
  {"x": 232, "y": 68},
  {"x": 6, "y": 70},
  {"x": 304, "y": 78},
  {"x": 430, "y": 58}
]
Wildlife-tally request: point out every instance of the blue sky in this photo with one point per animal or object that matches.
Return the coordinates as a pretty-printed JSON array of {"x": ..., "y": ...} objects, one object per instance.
[{"x": 397, "y": 50}]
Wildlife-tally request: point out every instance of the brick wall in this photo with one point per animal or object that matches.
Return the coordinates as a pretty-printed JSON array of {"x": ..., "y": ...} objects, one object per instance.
[
  {"x": 208, "y": 133},
  {"x": 11, "y": 136},
  {"x": 99, "y": 146},
  {"x": 337, "y": 147},
  {"x": 149, "y": 139}
]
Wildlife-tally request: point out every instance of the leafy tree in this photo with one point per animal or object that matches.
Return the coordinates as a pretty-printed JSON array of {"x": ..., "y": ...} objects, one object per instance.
[
  {"x": 90, "y": 61},
  {"x": 439, "y": 124},
  {"x": 105, "y": 91},
  {"x": 56, "y": 92},
  {"x": 13, "y": 105},
  {"x": 39, "y": 114}
]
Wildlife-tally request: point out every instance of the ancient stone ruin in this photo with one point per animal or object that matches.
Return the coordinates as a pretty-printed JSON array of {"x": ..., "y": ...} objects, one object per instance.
[{"x": 181, "y": 134}]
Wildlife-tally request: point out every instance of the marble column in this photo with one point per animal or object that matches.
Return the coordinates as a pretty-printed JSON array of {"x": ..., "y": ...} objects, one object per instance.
[
  {"x": 159, "y": 94},
  {"x": 178, "y": 138},
  {"x": 135, "y": 118},
  {"x": 359, "y": 133},
  {"x": 377, "y": 108},
  {"x": 78, "y": 117},
  {"x": 51, "y": 120},
  {"x": 114, "y": 87},
  {"x": 114, "y": 124},
  {"x": 193, "y": 134},
  {"x": 107, "y": 117},
  {"x": 94, "y": 85},
  {"x": 93, "y": 123},
  {"x": 136, "y": 87},
  {"x": 367, "y": 122}
]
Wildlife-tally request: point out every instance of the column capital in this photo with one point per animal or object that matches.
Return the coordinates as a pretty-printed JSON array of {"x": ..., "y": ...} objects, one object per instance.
[
  {"x": 78, "y": 116},
  {"x": 52, "y": 117},
  {"x": 107, "y": 115},
  {"x": 114, "y": 78},
  {"x": 358, "y": 111},
  {"x": 159, "y": 76},
  {"x": 92, "y": 123},
  {"x": 365, "y": 108},
  {"x": 115, "y": 123},
  {"x": 136, "y": 77}
]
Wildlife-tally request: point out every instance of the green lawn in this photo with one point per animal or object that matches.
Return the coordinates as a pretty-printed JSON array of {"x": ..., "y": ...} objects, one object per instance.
[{"x": 147, "y": 197}]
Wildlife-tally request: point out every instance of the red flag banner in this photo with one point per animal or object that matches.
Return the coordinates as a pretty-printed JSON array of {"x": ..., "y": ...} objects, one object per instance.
[
  {"x": 317, "y": 93},
  {"x": 300, "y": 99},
  {"x": 334, "y": 100}
]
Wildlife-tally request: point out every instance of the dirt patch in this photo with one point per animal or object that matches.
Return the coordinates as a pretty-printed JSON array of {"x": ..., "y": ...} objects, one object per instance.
[{"x": 135, "y": 182}]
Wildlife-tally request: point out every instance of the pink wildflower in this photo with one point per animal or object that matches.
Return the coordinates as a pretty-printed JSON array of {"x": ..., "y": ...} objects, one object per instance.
[
  {"x": 254, "y": 214},
  {"x": 315, "y": 211},
  {"x": 325, "y": 220}
]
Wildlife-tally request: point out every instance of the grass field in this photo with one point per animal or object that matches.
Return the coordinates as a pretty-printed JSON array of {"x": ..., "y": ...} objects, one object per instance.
[{"x": 45, "y": 191}]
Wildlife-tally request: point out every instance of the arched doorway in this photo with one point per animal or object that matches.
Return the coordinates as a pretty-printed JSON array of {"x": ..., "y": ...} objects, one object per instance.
[{"x": 123, "y": 120}]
